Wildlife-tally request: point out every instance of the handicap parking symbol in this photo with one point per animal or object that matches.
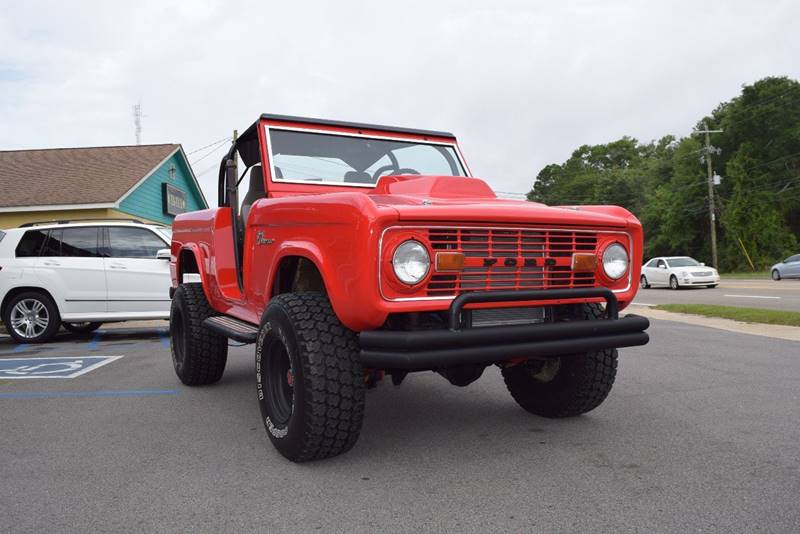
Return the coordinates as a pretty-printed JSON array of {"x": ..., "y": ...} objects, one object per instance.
[{"x": 55, "y": 367}]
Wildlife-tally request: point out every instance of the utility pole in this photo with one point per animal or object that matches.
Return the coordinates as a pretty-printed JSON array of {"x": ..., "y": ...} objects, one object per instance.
[
  {"x": 235, "y": 154},
  {"x": 712, "y": 216}
]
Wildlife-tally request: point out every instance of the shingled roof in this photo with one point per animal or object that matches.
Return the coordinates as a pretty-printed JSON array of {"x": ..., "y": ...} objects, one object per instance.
[{"x": 63, "y": 176}]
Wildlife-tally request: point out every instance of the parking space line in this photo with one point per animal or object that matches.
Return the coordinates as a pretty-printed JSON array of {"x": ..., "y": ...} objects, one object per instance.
[
  {"x": 95, "y": 339},
  {"x": 62, "y": 394},
  {"x": 751, "y": 297}
]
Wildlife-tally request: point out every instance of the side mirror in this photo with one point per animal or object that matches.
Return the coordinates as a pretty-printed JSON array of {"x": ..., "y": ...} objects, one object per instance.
[
  {"x": 164, "y": 254},
  {"x": 702, "y": 264},
  {"x": 662, "y": 266}
]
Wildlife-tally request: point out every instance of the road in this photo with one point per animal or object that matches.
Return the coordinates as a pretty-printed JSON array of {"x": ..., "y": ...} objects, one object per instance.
[
  {"x": 700, "y": 434},
  {"x": 782, "y": 295}
]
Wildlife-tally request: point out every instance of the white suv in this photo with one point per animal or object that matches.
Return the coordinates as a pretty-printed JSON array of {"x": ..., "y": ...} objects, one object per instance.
[{"x": 81, "y": 274}]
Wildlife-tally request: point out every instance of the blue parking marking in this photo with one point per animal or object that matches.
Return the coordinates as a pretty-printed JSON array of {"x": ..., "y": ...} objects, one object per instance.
[
  {"x": 21, "y": 347},
  {"x": 164, "y": 338},
  {"x": 62, "y": 394},
  {"x": 56, "y": 367},
  {"x": 95, "y": 339}
]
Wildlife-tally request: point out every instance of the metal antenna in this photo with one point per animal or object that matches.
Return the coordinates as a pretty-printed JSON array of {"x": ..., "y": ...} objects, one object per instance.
[{"x": 137, "y": 122}]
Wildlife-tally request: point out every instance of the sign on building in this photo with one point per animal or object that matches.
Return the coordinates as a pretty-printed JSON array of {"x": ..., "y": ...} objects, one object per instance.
[{"x": 174, "y": 200}]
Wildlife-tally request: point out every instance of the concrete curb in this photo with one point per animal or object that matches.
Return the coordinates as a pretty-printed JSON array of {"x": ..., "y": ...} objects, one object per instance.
[{"x": 790, "y": 333}]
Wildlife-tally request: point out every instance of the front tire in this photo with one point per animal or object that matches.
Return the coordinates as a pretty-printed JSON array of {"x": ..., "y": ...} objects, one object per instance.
[
  {"x": 673, "y": 282},
  {"x": 776, "y": 274},
  {"x": 309, "y": 380},
  {"x": 198, "y": 354},
  {"x": 566, "y": 386},
  {"x": 31, "y": 317},
  {"x": 643, "y": 283}
]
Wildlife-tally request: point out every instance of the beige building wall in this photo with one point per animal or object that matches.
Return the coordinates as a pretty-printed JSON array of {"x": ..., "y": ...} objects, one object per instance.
[{"x": 15, "y": 219}]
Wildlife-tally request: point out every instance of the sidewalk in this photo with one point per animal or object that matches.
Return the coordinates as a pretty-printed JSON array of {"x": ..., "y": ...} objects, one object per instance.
[{"x": 791, "y": 333}]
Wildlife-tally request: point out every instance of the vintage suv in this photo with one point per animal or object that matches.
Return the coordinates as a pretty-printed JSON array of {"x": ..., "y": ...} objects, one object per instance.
[{"x": 361, "y": 250}]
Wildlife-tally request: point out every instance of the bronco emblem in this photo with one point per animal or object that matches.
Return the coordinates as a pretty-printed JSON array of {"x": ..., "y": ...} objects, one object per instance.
[{"x": 261, "y": 240}]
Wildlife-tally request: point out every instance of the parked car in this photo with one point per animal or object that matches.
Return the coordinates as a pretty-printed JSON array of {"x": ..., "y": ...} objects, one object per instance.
[
  {"x": 362, "y": 251},
  {"x": 677, "y": 272},
  {"x": 788, "y": 268},
  {"x": 81, "y": 274}
]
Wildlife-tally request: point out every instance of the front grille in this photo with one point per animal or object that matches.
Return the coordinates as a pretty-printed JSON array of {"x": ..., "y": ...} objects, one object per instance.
[
  {"x": 510, "y": 259},
  {"x": 702, "y": 273},
  {"x": 506, "y": 316}
]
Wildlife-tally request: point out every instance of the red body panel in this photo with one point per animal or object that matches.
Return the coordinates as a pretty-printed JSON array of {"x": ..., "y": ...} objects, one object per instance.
[{"x": 340, "y": 229}]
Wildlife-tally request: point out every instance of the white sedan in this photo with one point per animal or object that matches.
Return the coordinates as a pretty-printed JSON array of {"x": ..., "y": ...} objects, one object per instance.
[{"x": 677, "y": 272}]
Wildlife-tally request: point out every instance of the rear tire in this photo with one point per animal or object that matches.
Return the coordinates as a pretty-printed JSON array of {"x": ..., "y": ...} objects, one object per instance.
[
  {"x": 309, "y": 379},
  {"x": 776, "y": 274},
  {"x": 566, "y": 386},
  {"x": 198, "y": 354},
  {"x": 673, "y": 282},
  {"x": 81, "y": 328},
  {"x": 31, "y": 317}
]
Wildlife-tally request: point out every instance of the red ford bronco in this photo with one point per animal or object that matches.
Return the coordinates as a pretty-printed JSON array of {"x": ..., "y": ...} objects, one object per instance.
[{"x": 357, "y": 251}]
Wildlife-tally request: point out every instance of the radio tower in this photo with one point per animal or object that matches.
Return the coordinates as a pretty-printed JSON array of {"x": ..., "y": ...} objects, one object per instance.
[{"x": 137, "y": 122}]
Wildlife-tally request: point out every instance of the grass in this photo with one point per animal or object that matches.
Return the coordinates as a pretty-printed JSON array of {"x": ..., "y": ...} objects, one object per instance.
[
  {"x": 747, "y": 275},
  {"x": 747, "y": 315}
]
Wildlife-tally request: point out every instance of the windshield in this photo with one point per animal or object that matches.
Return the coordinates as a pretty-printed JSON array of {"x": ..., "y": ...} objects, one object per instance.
[
  {"x": 349, "y": 160},
  {"x": 683, "y": 262}
]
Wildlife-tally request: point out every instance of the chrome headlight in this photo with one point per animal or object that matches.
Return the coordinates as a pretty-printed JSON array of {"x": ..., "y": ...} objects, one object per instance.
[
  {"x": 615, "y": 261},
  {"x": 411, "y": 262}
]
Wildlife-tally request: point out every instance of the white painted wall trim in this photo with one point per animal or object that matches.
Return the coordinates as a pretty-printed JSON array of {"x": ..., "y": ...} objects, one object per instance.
[{"x": 57, "y": 207}]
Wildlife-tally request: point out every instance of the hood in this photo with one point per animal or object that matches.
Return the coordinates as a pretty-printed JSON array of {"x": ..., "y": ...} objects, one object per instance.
[{"x": 449, "y": 198}]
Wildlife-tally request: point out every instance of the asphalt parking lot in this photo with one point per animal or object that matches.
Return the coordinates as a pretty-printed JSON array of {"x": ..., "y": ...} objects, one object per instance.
[
  {"x": 701, "y": 437},
  {"x": 781, "y": 295}
]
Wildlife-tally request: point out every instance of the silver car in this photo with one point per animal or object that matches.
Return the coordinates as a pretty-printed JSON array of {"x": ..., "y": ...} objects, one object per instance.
[{"x": 788, "y": 268}]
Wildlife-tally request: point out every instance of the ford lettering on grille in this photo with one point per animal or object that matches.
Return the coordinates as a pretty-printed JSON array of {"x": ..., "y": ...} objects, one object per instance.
[{"x": 510, "y": 259}]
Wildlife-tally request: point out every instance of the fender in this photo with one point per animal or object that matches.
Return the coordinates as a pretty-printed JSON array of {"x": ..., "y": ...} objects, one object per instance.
[
  {"x": 176, "y": 269},
  {"x": 311, "y": 252}
]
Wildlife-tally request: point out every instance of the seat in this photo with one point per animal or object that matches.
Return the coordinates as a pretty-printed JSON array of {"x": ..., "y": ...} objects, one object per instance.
[
  {"x": 255, "y": 192},
  {"x": 357, "y": 177}
]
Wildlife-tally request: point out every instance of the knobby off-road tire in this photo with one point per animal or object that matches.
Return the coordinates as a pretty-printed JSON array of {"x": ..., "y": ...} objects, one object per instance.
[
  {"x": 309, "y": 380},
  {"x": 566, "y": 386},
  {"x": 198, "y": 355}
]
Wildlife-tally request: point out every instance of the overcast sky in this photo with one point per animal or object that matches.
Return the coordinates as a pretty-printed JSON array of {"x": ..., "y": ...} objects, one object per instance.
[{"x": 521, "y": 84}]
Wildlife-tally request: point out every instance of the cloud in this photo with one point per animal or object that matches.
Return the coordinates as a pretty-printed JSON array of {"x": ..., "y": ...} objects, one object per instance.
[{"x": 521, "y": 83}]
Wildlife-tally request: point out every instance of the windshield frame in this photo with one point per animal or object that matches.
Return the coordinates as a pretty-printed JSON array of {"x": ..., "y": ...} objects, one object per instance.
[{"x": 411, "y": 139}]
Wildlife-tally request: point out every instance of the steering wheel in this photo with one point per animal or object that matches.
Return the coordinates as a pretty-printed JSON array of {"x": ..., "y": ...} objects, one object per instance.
[{"x": 404, "y": 170}]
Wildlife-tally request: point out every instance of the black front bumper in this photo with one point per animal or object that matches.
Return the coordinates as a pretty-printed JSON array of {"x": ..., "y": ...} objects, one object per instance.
[{"x": 432, "y": 349}]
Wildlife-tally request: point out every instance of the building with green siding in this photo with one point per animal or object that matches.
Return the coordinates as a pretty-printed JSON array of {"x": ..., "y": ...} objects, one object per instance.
[{"x": 151, "y": 183}]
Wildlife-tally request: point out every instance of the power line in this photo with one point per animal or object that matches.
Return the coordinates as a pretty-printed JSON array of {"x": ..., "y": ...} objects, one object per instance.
[
  {"x": 204, "y": 156},
  {"x": 208, "y": 145}
]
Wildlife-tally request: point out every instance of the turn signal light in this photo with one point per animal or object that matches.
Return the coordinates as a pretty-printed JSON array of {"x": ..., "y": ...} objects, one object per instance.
[
  {"x": 584, "y": 263},
  {"x": 449, "y": 261}
]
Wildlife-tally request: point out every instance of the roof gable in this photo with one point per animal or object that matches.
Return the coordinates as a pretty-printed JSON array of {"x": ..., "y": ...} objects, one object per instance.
[{"x": 64, "y": 176}]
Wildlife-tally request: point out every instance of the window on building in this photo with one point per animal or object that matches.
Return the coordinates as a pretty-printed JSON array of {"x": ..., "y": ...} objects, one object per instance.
[
  {"x": 31, "y": 243},
  {"x": 134, "y": 242}
]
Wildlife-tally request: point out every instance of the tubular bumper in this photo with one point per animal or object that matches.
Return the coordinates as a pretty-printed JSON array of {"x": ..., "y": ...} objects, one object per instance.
[{"x": 432, "y": 349}]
